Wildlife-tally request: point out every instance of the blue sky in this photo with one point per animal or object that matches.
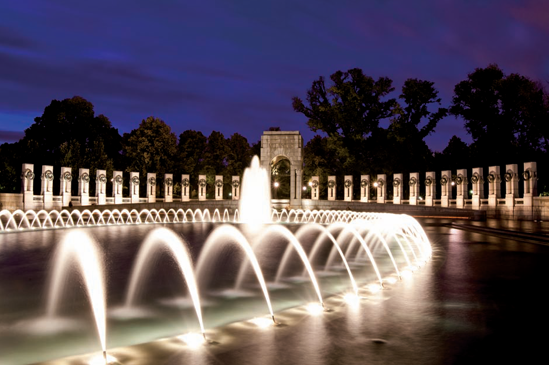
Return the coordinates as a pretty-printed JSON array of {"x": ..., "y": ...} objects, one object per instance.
[{"x": 233, "y": 66}]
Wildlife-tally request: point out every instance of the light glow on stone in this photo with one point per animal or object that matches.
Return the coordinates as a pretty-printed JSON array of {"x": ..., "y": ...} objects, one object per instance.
[
  {"x": 351, "y": 298},
  {"x": 192, "y": 340},
  {"x": 262, "y": 322},
  {"x": 374, "y": 288},
  {"x": 406, "y": 273},
  {"x": 315, "y": 309},
  {"x": 98, "y": 359}
]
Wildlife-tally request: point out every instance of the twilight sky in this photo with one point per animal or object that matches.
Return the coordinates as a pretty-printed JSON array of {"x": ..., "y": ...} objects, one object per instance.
[{"x": 233, "y": 66}]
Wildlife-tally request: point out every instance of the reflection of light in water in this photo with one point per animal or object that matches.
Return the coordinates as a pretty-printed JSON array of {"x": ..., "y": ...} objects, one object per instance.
[
  {"x": 193, "y": 340},
  {"x": 100, "y": 360},
  {"x": 315, "y": 309},
  {"x": 262, "y": 322},
  {"x": 391, "y": 280}
]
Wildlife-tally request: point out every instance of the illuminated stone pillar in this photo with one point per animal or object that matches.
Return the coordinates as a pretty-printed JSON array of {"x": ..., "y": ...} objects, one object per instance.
[
  {"x": 511, "y": 184},
  {"x": 414, "y": 188},
  {"x": 477, "y": 184},
  {"x": 27, "y": 185},
  {"x": 235, "y": 186},
  {"x": 446, "y": 185},
  {"x": 381, "y": 187},
  {"x": 151, "y": 187},
  {"x": 530, "y": 176},
  {"x": 84, "y": 186},
  {"x": 168, "y": 188},
  {"x": 494, "y": 187},
  {"x": 397, "y": 188},
  {"x": 298, "y": 189},
  {"x": 47, "y": 186},
  {"x": 348, "y": 185},
  {"x": 218, "y": 187},
  {"x": 364, "y": 188},
  {"x": 117, "y": 186},
  {"x": 331, "y": 188},
  {"x": 101, "y": 187},
  {"x": 430, "y": 188},
  {"x": 185, "y": 188},
  {"x": 315, "y": 184},
  {"x": 202, "y": 187},
  {"x": 134, "y": 187},
  {"x": 65, "y": 186},
  {"x": 461, "y": 188}
]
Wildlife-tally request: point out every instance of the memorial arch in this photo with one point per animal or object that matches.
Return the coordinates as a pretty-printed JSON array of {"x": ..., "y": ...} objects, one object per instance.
[{"x": 285, "y": 145}]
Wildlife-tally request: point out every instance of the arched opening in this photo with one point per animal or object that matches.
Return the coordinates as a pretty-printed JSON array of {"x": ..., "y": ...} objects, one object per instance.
[{"x": 280, "y": 178}]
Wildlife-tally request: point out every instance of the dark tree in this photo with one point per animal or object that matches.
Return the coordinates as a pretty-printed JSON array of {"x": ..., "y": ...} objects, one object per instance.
[
  {"x": 190, "y": 153},
  {"x": 239, "y": 154},
  {"x": 454, "y": 156},
  {"x": 69, "y": 134},
  {"x": 215, "y": 159},
  {"x": 348, "y": 112},
  {"x": 10, "y": 168},
  {"x": 320, "y": 158},
  {"x": 412, "y": 123},
  {"x": 256, "y": 149},
  {"x": 150, "y": 148},
  {"x": 505, "y": 115}
]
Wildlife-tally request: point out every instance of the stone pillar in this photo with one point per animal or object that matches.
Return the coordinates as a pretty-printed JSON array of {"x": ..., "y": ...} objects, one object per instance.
[
  {"x": 202, "y": 187},
  {"x": 287, "y": 144},
  {"x": 477, "y": 182},
  {"x": 293, "y": 178},
  {"x": 397, "y": 188},
  {"x": 364, "y": 188},
  {"x": 296, "y": 202},
  {"x": 47, "y": 186},
  {"x": 446, "y": 188},
  {"x": 134, "y": 187},
  {"x": 101, "y": 187},
  {"x": 84, "y": 186},
  {"x": 151, "y": 187},
  {"x": 168, "y": 188},
  {"x": 27, "y": 185},
  {"x": 331, "y": 188},
  {"x": 348, "y": 185},
  {"x": 218, "y": 187},
  {"x": 414, "y": 188},
  {"x": 235, "y": 183},
  {"x": 117, "y": 186},
  {"x": 430, "y": 188},
  {"x": 511, "y": 185},
  {"x": 494, "y": 187},
  {"x": 381, "y": 188},
  {"x": 65, "y": 186},
  {"x": 185, "y": 188},
  {"x": 315, "y": 184},
  {"x": 530, "y": 176},
  {"x": 461, "y": 188}
]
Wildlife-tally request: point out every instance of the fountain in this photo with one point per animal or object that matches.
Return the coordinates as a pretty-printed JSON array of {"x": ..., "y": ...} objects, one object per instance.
[
  {"x": 255, "y": 199},
  {"x": 132, "y": 247}
]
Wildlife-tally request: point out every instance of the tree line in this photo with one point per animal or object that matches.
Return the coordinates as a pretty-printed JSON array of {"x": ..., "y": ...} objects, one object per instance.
[
  {"x": 366, "y": 130},
  {"x": 369, "y": 131},
  {"x": 70, "y": 134}
]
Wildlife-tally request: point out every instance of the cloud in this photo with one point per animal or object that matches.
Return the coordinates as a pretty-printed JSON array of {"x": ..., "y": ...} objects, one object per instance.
[{"x": 10, "y": 38}]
